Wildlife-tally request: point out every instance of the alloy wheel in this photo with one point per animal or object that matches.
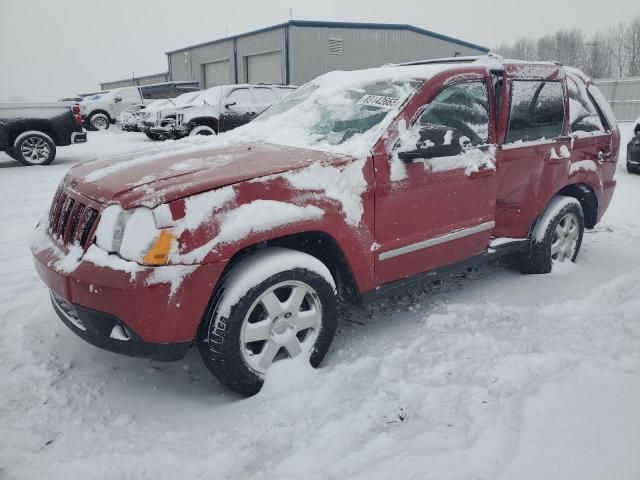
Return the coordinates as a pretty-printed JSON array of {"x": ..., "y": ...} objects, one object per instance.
[
  {"x": 282, "y": 323},
  {"x": 565, "y": 238},
  {"x": 35, "y": 150}
]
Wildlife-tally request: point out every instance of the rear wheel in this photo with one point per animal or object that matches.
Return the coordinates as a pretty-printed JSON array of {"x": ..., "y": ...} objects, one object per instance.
[
  {"x": 34, "y": 148},
  {"x": 276, "y": 305},
  {"x": 99, "y": 121},
  {"x": 556, "y": 237}
]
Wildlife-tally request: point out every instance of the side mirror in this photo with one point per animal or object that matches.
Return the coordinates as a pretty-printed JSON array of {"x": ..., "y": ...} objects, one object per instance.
[
  {"x": 230, "y": 104},
  {"x": 435, "y": 141},
  {"x": 117, "y": 99}
]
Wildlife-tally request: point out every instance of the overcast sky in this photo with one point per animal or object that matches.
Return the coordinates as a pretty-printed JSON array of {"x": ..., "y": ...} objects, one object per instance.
[{"x": 54, "y": 48}]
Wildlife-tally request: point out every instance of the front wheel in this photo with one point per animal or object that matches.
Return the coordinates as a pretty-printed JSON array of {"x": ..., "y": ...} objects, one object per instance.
[
  {"x": 556, "y": 237},
  {"x": 34, "y": 148},
  {"x": 202, "y": 130},
  {"x": 275, "y": 305},
  {"x": 99, "y": 121}
]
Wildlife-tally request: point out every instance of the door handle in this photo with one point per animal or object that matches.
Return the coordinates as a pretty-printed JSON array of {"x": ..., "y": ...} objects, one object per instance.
[
  {"x": 604, "y": 156},
  {"x": 483, "y": 171}
]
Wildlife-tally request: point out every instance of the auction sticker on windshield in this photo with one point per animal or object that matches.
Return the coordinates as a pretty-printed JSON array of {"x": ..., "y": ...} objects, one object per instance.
[{"x": 379, "y": 101}]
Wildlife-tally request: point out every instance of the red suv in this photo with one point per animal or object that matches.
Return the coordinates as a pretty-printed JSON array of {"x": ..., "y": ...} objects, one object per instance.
[{"x": 351, "y": 187}]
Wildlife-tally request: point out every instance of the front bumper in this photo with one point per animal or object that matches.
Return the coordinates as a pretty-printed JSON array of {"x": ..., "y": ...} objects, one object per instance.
[
  {"x": 150, "y": 319},
  {"x": 109, "y": 333}
]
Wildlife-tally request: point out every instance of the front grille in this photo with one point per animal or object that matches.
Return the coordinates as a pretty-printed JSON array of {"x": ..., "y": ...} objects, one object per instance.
[{"x": 70, "y": 220}]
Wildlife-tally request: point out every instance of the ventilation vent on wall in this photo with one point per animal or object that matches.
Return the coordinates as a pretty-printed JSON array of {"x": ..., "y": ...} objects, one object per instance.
[{"x": 335, "y": 46}]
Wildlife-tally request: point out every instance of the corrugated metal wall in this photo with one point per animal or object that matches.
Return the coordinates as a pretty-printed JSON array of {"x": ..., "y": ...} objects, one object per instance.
[
  {"x": 189, "y": 64},
  {"x": 272, "y": 41},
  {"x": 313, "y": 50},
  {"x": 361, "y": 48},
  {"x": 129, "y": 82},
  {"x": 624, "y": 96}
]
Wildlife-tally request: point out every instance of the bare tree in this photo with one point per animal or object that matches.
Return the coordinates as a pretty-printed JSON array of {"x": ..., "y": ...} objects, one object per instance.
[
  {"x": 617, "y": 36},
  {"x": 598, "y": 56},
  {"x": 632, "y": 47},
  {"x": 569, "y": 47}
]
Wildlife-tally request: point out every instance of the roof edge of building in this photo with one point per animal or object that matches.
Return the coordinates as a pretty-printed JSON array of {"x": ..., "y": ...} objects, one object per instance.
[{"x": 325, "y": 24}]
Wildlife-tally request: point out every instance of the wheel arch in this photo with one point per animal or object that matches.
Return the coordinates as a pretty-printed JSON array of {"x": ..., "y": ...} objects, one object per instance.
[
  {"x": 38, "y": 125},
  {"x": 208, "y": 121},
  {"x": 588, "y": 201},
  {"x": 318, "y": 244}
]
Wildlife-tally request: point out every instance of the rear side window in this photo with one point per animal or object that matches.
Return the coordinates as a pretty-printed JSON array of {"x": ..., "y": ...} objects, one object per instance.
[
  {"x": 264, "y": 95},
  {"x": 464, "y": 107},
  {"x": 603, "y": 105},
  {"x": 584, "y": 116},
  {"x": 537, "y": 110}
]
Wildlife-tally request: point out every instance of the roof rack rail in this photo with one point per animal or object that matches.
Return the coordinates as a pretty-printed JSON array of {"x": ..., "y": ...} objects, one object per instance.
[{"x": 465, "y": 59}]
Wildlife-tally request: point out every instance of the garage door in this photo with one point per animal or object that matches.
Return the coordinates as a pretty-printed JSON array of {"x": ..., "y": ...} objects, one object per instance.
[
  {"x": 216, "y": 73},
  {"x": 265, "y": 68}
]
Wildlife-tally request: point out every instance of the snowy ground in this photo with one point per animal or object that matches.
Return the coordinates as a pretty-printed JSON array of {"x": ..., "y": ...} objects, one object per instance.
[{"x": 487, "y": 376}]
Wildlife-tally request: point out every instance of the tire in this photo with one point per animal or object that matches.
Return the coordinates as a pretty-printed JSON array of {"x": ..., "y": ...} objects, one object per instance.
[
  {"x": 99, "y": 121},
  {"x": 34, "y": 148},
  {"x": 632, "y": 169},
  {"x": 153, "y": 136},
  {"x": 240, "y": 355},
  {"x": 202, "y": 130},
  {"x": 556, "y": 236}
]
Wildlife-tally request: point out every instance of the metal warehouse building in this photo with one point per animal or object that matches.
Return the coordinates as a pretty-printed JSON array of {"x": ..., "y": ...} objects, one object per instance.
[
  {"x": 134, "y": 81},
  {"x": 623, "y": 95},
  {"x": 298, "y": 51}
]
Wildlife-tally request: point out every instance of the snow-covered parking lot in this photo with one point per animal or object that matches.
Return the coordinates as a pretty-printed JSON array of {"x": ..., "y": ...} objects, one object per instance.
[{"x": 485, "y": 376}]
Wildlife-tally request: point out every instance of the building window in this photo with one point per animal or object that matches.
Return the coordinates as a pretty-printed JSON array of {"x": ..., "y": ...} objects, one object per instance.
[{"x": 335, "y": 46}]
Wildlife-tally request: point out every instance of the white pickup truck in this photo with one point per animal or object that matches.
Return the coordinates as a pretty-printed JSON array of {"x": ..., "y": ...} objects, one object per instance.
[{"x": 100, "y": 110}]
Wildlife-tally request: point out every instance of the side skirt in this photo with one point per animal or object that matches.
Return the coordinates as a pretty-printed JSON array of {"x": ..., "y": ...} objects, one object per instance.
[{"x": 400, "y": 286}]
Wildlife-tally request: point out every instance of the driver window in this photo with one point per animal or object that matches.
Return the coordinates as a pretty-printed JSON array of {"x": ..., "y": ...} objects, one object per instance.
[
  {"x": 463, "y": 107},
  {"x": 241, "y": 96}
]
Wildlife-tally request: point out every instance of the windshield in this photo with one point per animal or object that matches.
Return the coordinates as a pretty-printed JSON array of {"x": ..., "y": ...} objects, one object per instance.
[
  {"x": 335, "y": 109},
  {"x": 207, "y": 97},
  {"x": 185, "y": 98}
]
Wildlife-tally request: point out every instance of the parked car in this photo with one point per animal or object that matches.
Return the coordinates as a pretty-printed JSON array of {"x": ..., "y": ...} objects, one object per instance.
[
  {"x": 30, "y": 132},
  {"x": 357, "y": 185},
  {"x": 218, "y": 109},
  {"x": 633, "y": 150},
  {"x": 128, "y": 120},
  {"x": 99, "y": 111}
]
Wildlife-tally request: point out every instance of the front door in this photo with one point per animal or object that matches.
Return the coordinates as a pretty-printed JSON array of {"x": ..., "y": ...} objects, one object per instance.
[
  {"x": 236, "y": 109},
  {"x": 432, "y": 212}
]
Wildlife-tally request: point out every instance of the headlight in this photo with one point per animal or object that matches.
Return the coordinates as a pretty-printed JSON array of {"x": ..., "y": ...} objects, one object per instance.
[{"x": 136, "y": 234}]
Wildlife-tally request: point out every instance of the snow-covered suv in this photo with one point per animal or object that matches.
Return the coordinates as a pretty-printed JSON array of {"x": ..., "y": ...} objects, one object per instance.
[
  {"x": 218, "y": 109},
  {"x": 358, "y": 184}
]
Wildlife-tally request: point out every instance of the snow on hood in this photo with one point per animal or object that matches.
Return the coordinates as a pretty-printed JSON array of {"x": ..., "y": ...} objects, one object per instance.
[
  {"x": 337, "y": 114},
  {"x": 158, "y": 176}
]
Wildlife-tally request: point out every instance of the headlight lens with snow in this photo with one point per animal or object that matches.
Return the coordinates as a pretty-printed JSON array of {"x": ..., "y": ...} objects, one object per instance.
[{"x": 134, "y": 235}]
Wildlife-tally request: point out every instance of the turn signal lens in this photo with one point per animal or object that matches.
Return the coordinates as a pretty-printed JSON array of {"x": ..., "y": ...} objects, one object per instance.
[{"x": 158, "y": 254}]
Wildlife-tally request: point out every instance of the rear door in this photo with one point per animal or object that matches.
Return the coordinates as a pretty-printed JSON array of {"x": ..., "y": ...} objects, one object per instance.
[
  {"x": 237, "y": 109},
  {"x": 438, "y": 211},
  {"x": 534, "y": 157},
  {"x": 264, "y": 97},
  {"x": 591, "y": 131}
]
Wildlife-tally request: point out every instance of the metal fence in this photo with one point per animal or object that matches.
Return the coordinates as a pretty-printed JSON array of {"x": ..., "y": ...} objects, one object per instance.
[{"x": 623, "y": 95}]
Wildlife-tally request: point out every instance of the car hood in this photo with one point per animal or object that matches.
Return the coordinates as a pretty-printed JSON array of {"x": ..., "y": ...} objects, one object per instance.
[{"x": 159, "y": 176}]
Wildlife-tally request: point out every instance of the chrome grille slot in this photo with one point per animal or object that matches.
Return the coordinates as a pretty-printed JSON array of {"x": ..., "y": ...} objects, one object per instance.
[{"x": 71, "y": 221}]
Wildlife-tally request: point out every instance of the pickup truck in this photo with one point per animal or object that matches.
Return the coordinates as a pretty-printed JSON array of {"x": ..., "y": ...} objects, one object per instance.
[
  {"x": 99, "y": 111},
  {"x": 30, "y": 132},
  {"x": 358, "y": 184}
]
